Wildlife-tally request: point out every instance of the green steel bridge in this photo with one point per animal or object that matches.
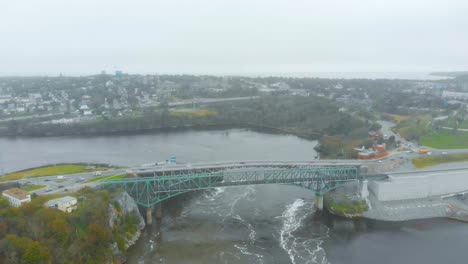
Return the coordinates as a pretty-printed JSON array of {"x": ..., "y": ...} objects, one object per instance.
[{"x": 153, "y": 187}]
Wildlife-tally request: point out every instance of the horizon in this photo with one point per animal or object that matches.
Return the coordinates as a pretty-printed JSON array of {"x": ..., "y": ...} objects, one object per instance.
[
  {"x": 232, "y": 38},
  {"x": 372, "y": 75}
]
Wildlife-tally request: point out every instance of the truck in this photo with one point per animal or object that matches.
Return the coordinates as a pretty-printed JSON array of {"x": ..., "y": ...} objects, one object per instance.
[{"x": 424, "y": 151}]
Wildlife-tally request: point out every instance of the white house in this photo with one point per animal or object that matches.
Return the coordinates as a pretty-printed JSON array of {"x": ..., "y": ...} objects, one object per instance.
[
  {"x": 65, "y": 204},
  {"x": 17, "y": 197}
]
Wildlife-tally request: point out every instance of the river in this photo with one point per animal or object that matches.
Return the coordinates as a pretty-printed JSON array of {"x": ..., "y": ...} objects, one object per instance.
[{"x": 246, "y": 224}]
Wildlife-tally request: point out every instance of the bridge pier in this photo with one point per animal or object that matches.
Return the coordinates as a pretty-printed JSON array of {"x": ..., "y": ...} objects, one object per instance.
[
  {"x": 158, "y": 211},
  {"x": 365, "y": 193},
  {"x": 364, "y": 190},
  {"x": 318, "y": 204},
  {"x": 149, "y": 215}
]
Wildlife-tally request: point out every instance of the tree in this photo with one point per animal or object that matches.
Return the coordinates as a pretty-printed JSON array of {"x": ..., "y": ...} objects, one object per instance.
[
  {"x": 375, "y": 127},
  {"x": 36, "y": 254}
]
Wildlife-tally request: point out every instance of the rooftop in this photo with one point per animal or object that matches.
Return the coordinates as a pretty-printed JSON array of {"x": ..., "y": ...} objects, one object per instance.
[
  {"x": 61, "y": 200},
  {"x": 17, "y": 193}
]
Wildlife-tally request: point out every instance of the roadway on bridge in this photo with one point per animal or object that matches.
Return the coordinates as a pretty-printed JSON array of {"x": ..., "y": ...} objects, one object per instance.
[{"x": 74, "y": 182}]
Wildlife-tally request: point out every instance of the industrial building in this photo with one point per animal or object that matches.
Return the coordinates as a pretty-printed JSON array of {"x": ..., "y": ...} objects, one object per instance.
[
  {"x": 65, "y": 204},
  {"x": 17, "y": 197},
  {"x": 419, "y": 185}
]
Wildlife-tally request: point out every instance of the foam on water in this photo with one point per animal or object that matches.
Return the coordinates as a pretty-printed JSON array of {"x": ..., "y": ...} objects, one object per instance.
[
  {"x": 244, "y": 246},
  {"x": 300, "y": 249},
  {"x": 211, "y": 196}
]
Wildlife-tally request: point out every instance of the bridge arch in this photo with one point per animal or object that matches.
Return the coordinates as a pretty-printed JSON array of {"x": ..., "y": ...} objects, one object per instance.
[{"x": 149, "y": 191}]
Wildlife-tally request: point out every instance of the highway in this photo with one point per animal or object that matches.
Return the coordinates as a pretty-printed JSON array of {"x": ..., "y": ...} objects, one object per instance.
[{"x": 73, "y": 182}]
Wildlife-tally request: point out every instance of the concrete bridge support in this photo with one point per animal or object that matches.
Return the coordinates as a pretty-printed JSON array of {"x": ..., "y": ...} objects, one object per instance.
[
  {"x": 149, "y": 215},
  {"x": 158, "y": 211},
  {"x": 365, "y": 193},
  {"x": 364, "y": 190},
  {"x": 318, "y": 204}
]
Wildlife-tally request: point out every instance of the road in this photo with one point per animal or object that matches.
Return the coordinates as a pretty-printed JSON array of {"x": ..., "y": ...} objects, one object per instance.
[
  {"x": 69, "y": 182},
  {"x": 399, "y": 162},
  {"x": 73, "y": 182},
  {"x": 210, "y": 100}
]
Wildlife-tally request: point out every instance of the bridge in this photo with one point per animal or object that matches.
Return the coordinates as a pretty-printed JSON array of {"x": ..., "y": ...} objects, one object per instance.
[{"x": 154, "y": 184}]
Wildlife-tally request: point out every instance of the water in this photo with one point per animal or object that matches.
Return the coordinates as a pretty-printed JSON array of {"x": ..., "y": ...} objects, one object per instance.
[
  {"x": 130, "y": 150},
  {"x": 246, "y": 224}
]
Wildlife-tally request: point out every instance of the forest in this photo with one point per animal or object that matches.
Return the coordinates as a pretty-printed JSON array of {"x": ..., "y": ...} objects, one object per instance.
[{"x": 35, "y": 234}]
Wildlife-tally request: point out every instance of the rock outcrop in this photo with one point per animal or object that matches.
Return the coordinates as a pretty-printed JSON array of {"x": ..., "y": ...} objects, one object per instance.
[{"x": 122, "y": 206}]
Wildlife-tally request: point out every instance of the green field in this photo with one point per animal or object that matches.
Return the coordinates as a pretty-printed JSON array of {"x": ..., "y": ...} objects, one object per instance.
[
  {"x": 49, "y": 171},
  {"x": 428, "y": 161},
  {"x": 451, "y": 123},
  {"x": 446, "y": 140},
  {"x": 111, "y": 177},
  {"x": 32, "y": 187}
]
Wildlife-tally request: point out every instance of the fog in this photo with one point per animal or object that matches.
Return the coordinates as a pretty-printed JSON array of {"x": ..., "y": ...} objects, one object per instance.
[{"x": 232, "y": 37}]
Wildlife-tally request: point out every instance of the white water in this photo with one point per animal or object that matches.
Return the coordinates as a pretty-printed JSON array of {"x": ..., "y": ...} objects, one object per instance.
[
  {"x": 300, "y": 249},
  {"x": 244, "y": 246}
]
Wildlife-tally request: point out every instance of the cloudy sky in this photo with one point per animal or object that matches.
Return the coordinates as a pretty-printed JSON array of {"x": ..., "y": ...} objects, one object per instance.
[{"x": 232, "y": 36}]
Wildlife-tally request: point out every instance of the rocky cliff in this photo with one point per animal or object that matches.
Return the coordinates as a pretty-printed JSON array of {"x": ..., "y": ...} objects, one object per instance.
[{"x": 126, "y": 222}]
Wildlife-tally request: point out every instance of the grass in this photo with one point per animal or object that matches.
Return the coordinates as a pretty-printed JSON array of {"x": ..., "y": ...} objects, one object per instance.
[
  {"x": 446, "y": 140},
  {"x": 398, "y": 118},
  {"x": 32, "y": 187},
  {"x": 346, "y": 207},
  {"x": 194, "y": 113},
  {"x": 102, "y": 178},
  {"x": 414, "y": 128},
  {"x": 428, "y": 161},
  {"x": 451, "y": 123},
  {"x": 49, "y": 171}
]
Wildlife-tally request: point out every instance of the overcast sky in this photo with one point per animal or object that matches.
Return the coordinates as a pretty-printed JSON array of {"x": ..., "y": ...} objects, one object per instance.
[{"x": 232, "y": 36}]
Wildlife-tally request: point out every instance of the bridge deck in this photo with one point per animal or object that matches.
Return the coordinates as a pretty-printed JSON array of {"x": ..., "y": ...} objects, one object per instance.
[{"x": 156, "y": 187}]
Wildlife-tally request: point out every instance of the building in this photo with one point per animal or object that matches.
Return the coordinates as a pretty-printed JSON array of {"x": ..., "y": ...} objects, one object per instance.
[
  {"x": 65, "y": 204},
  {"x": 376, "y": 152},
  {"x": 417, "y": 185},
  {"x": 17, "y": 197},
  {"x": 455, "y": 95}
]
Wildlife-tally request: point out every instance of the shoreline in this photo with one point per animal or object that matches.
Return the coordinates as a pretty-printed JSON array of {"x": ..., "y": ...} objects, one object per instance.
[{"x": 254, "y": 127}]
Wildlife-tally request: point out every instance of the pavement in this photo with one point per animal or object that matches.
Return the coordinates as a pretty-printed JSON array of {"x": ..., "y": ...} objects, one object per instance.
[{"x": 66, "y": 183}]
